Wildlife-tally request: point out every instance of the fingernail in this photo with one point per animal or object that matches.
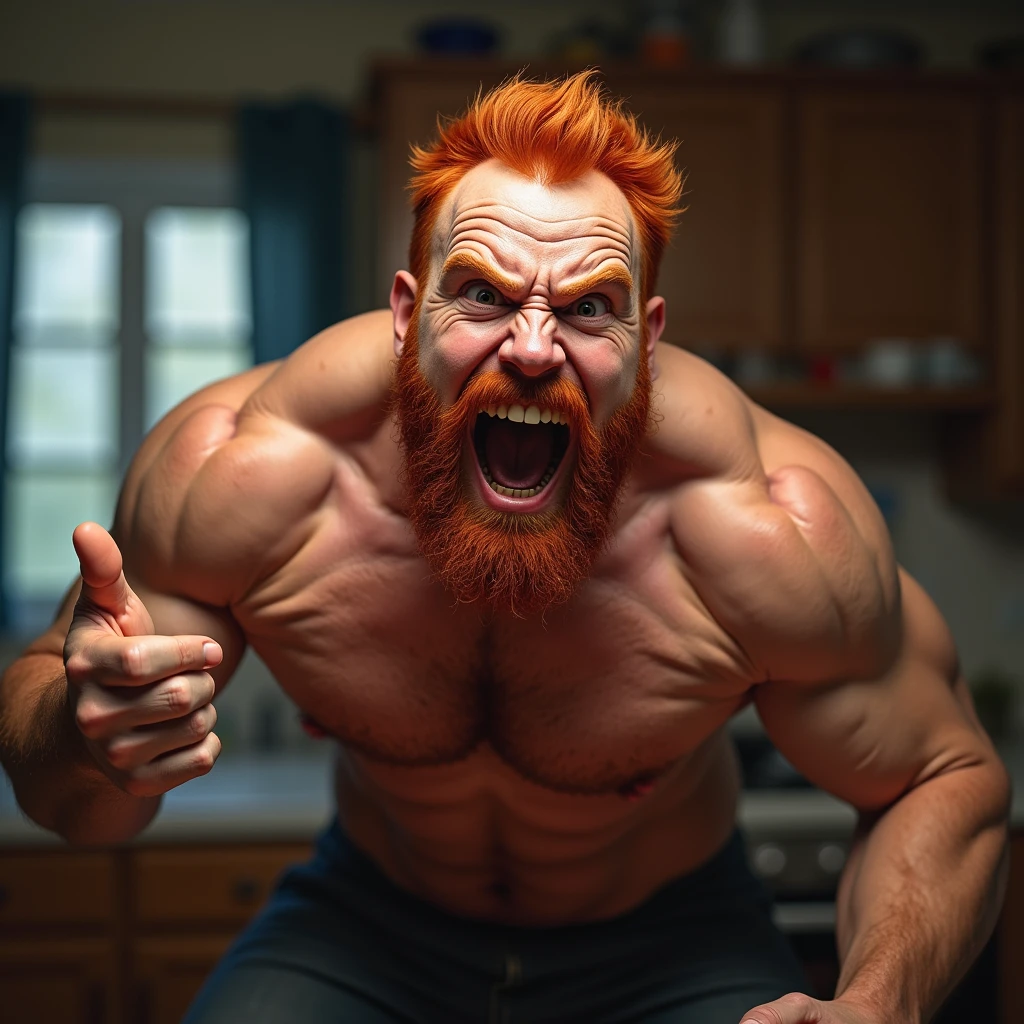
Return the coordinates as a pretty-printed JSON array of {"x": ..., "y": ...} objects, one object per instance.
[{"x": 211, "y": 652}]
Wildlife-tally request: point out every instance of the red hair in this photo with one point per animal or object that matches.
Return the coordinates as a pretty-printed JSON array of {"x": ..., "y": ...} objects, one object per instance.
[{"x": 554, "y": 132}]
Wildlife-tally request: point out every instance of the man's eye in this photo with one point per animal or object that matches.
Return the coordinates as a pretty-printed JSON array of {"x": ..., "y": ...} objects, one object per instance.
[
  {"x": 484, "y": 294},
  {"x": 590, "y": 306}
]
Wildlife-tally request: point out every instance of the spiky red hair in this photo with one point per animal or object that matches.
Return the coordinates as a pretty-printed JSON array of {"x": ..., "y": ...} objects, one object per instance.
[{"x": 554, "y": 132}]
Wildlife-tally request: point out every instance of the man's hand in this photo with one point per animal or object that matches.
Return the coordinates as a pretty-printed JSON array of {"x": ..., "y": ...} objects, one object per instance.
[
  {"x": 141, "y": 701},
  {"x": 797, "y": 1008}
]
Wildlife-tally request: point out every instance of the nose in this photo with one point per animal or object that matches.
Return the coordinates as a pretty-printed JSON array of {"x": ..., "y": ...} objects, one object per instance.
[{"x": 531, "y": 347}]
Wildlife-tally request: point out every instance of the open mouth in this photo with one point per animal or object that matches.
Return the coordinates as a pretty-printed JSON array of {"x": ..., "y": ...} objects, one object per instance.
[{"x": 519, "y": 447}]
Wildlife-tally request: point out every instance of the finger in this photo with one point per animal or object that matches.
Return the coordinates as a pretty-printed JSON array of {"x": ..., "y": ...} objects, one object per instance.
[
  {"x": 173, "y": 769},
  {"x": 130, "y": 751},
  {"x": 794, "y": 1008},
  {"x": 99, "y": 559},
  {"x": 105, "y": 712},
  {"x": 92, "y": 655}
]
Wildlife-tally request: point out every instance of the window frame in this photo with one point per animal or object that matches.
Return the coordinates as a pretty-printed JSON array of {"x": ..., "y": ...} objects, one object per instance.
[{"x": 134, "y": 187}]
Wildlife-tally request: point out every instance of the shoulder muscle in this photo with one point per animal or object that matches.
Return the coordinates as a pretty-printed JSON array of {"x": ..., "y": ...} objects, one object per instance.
[{"x": 786, "y": 547}]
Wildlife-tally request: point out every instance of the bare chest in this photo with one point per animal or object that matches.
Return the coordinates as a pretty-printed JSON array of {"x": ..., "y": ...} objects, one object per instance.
[{"x": 627, "y": 678}]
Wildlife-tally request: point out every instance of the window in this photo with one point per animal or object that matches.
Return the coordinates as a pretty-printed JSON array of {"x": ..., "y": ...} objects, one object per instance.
[{"x": 131, "y": 292}]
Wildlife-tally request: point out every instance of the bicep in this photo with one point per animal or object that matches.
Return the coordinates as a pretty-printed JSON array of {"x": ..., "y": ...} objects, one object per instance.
[{"x": 870, "y": 741}]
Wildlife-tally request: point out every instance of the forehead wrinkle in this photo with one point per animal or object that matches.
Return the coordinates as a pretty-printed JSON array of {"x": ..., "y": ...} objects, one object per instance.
[
  {"x": 512, "y": 250},
  {"x": 542, "y": 229}
]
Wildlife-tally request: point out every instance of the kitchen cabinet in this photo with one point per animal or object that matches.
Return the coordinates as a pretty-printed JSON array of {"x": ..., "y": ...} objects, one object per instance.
[
  {"x": 58, "y": 959},
  {"x": 985, "y": 451},
  {"x": 825, "y": 210},
  {"x": 58, "y": 981},
  {"x": 136, "y": 948},
  {"x": 1011, "y": 938},
  {"x": 723, "y": 273},
  {"x": 124, "y": 936},
  {"x": 168, "y": 971},
  {"x": 206, "y": 887},
  {"x": 889, "y": 214},
  {"x": 185, "y": 906},
  {"x": 408, "y": 100},
  {"x": 1007, "y": 425}
]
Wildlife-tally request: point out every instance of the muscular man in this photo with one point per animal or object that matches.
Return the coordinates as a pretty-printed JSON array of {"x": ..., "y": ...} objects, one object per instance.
[{"x": 525, "y": 562}]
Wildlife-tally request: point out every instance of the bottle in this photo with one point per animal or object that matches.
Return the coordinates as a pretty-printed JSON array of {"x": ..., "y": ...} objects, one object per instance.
[
  {"x": 740, "y": 33},
  {"x": 665, "y": 41}
]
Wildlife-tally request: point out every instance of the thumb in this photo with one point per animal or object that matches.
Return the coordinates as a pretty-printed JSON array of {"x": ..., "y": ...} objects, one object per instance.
[{"x": 103, "y": 582}]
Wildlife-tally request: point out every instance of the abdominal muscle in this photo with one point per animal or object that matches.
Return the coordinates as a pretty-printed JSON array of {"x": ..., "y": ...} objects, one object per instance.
[{"x": 480, "y": 841}]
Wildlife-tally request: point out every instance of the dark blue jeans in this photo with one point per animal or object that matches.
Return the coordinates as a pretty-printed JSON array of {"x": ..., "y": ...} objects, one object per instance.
[{"x": 338, "y": 942}]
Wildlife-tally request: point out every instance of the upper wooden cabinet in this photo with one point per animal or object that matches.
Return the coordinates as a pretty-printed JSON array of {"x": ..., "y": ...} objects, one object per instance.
[
  {"x": 1008, "y": 417},
  {"x": 889, "y": 213},
  {"x": 723, "y": 273},
  {"x": 824, "y": 211},
  {"x": 408, "y": 100}
]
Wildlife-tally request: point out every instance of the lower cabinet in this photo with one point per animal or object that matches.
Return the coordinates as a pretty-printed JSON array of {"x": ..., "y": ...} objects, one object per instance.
[
  {"x": 168, "y": 971},
  {"x": 124, "y": 936},
  {"x": 64, "y": 981},
  {"x": 129, "y": 936},
  {"x": 186, "y": 905}
]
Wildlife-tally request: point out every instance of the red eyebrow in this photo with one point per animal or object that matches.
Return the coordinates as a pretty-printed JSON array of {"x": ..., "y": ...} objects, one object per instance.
[
  {"x": 597, "y": 280},
  {"x": 470, "y": 261}
]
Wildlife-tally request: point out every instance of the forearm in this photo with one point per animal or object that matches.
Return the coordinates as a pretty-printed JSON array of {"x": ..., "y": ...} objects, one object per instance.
[
  {"x": 922, "y": 893},
  {"x": 57, "y": 782}
]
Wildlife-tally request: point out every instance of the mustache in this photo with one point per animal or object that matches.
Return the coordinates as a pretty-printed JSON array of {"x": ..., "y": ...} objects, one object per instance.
[{"x": 494, "y": 388}]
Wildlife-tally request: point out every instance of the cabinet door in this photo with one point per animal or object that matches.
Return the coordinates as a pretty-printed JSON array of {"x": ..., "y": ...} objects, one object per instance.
[
  {"x": 55, "y": 887},
  {"x": 214, "y": 886},
  {"x": 409, "y": 101},
  {"x": 169, "y": 971},
  {"x": 984, "y": 452},
  {"x": 57, "y": 981},
  {"x": 1008, "y": 428},
  {"x": 889, "y": 215},
  {"x": 1011, "y": 938},
  {"x": 722, "y": 274}
]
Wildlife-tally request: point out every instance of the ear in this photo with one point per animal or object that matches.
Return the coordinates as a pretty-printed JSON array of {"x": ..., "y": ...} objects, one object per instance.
[
  {"x": 655, "y": 326},
  {"x": 403, "y": 299}
]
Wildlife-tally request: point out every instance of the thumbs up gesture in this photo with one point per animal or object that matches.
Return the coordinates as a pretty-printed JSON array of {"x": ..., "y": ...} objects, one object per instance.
[{"x": 140, "y": 700}]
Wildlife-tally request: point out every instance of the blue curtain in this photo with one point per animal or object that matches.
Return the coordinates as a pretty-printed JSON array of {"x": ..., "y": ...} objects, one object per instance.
[
  {"x": 295, "y": 182},
  {"x": 14, "y": 134}
]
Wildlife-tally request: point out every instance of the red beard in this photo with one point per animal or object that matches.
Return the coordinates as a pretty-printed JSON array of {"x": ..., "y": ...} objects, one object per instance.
[{"x": 521, "y": 563}]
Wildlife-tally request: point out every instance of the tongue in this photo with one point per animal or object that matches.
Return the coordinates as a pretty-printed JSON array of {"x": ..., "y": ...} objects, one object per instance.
[{"x": 518, "y": 453}]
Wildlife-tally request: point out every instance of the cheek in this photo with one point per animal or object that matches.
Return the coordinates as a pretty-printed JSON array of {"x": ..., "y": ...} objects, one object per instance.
[
  {"x": 451, "y": 355},
  {"x": 607, "y": 376}
]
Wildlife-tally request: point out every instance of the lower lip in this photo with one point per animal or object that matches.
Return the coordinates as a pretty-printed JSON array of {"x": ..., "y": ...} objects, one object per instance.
[{"x": 504, "y": 503}]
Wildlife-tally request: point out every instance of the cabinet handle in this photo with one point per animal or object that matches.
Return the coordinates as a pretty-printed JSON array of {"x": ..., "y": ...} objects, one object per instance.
[{"x": 245, "y": 891}]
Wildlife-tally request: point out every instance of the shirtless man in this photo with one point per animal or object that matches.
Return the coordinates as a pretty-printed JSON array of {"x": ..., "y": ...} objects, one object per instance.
[{"x": 525, "y": 589}]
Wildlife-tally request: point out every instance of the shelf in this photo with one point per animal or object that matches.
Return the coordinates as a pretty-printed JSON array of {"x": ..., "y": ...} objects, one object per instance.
[{"x": 825, "y": 396}]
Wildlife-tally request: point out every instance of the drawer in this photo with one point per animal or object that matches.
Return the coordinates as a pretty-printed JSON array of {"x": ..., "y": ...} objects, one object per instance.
[
  {"x": 40, "y": 887},
  {"x": 215, "y": 884}
]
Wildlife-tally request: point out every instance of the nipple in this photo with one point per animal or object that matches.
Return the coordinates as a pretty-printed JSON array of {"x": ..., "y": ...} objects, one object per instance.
[
  {"x": 312, "y": 728},
  {"x": 638, "y": 788}
]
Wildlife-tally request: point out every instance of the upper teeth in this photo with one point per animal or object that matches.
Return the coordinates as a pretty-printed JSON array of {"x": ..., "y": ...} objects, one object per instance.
[{"x": 531, "y": 414}]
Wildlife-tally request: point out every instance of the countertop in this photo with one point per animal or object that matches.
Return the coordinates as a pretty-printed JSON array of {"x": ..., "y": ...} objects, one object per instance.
[{"x": 288, "y": 798}]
